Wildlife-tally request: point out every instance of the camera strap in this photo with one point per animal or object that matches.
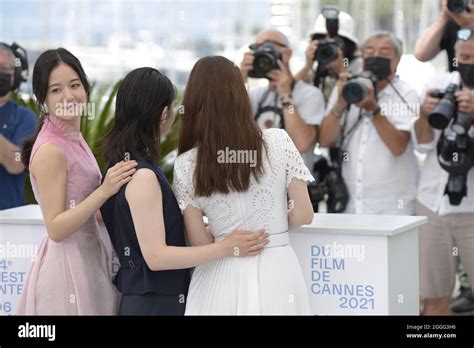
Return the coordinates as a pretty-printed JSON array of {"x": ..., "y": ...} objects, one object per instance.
[
  {"x": 278, "y": 111},
  {"x": 350, "y": 132},
  {"x": 401, "y": 97}
]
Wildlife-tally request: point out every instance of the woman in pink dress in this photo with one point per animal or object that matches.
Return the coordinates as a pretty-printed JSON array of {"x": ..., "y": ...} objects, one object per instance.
[{"x": 69, "y": 274}]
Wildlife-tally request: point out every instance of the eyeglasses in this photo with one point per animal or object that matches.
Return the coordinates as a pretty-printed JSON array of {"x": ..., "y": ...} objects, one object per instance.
[
  {"x": 254, "y": 46},
  {"x": 465, "y": 34}
]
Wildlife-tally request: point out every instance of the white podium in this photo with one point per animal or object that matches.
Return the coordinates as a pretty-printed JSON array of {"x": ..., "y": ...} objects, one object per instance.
[
  {"x": 352, "y": 264},
  {"x": 21, "y": 232},
  {"x": 360, "y": 264}
]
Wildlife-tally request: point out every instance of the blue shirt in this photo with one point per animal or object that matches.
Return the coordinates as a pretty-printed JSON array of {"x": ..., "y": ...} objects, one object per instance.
[{"x": 16, "y": 124}]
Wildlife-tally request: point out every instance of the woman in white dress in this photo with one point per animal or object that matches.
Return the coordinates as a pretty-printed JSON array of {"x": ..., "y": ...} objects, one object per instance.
[{"x": 239, "y": 177}]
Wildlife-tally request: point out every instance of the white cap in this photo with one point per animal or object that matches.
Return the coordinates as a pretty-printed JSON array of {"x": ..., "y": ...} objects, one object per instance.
[{"x": 346, "y": 26}]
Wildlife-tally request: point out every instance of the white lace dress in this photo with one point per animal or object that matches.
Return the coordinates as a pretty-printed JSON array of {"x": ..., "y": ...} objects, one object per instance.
[{"x": 272, "y": 282}]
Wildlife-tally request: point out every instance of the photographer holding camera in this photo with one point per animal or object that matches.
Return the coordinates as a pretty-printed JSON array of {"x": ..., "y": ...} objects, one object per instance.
[
  {"x": 16, "y": 124},
  {"x": 441, "y": 35},
  {"x": 445, "y": 132},
  {"x": 285, "y": 103},
  {"x": 369, "y": 119},
  {"x": 333, "y": 49}
]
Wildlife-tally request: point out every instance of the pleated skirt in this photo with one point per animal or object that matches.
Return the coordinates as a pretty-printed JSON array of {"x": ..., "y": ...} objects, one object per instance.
[{"x": 271, "y": 283}]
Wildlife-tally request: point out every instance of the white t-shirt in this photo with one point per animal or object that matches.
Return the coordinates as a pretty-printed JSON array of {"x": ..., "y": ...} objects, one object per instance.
[
  {"x": 308, "y": 101},
  {"x": 434, "y": 178},
  {"x": 379, "y": 182}
]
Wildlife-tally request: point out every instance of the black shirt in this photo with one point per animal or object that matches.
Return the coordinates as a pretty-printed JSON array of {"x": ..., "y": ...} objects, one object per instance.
[
  {"x": 134, "y": 276},
  {"x": 448, "y": 41}
]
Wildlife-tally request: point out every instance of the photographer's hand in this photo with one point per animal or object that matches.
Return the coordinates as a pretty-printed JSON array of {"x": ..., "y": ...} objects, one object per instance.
[
  {"x": 282, "y": 78},
  {"x": 330, "y": 129},
  {"x": 368, "y": 103},
  {"x": 465, "y": 99},
  {"x": 341, "y": 82},
  {"x": 306, "y": 73},
  {"x": 423, "y": 131},
  {"x": 247, "y": 64},
  {"x": 463, "y": 19},
  {"x": 337, "y": 65},
  {"x": 428, "y": 104},
  {"x": 310, "y": 51}
]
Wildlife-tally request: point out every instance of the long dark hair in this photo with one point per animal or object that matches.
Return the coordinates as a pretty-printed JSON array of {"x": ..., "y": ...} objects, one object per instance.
[
  {"x": 141, "y": 98},
  {"x": 46, "y": 63},
  {"x": 218, "y": 115}
]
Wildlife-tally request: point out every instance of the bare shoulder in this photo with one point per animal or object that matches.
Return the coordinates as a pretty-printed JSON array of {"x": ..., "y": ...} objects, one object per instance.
[{"x": 143, "y": 184}]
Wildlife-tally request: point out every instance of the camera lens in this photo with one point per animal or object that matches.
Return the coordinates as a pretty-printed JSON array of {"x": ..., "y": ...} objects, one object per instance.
[
  {"x": 354, "y": 91},
  {"x": 326, "y": 53},
  {"x": 442, "y": 114},
  {"x": 264, "y": 63},
  {"x": 457, "y": 6}
]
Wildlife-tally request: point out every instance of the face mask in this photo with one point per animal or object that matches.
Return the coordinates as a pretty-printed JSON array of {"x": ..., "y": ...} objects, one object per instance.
[
  {"x": 5, "y": 84},
  {"x": 467, "y": 74},
  {"x": 379, "y": 66}
]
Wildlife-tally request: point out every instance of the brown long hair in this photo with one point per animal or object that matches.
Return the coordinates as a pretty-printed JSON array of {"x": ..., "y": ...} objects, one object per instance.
[{"x": 217, "y": 115}]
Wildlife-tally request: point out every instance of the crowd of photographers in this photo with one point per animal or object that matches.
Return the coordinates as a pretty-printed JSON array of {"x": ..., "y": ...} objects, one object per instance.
[
  {"x": 349, "y": 100},
  {"x": 373, "y": 123}
]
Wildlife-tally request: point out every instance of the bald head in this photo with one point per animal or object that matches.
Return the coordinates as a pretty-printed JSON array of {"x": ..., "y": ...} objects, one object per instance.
[{"x": 272, "y": 35}]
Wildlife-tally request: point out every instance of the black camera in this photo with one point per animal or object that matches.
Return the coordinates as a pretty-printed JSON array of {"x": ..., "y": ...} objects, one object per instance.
[
  {"x": 458, "y": 6},
  {"x": 329, "y": 182},
  {"x": 447, "y": 111},
  {"x": 456, "y": 156},
  {"x": 265, "y": 60},
  {"x": 327, "y": 50},
  {"x": 357, "y": 87},
  {"x": 456, "y": 149}
]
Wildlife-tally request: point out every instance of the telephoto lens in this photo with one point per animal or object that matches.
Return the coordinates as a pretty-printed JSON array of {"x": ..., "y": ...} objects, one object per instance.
[
  {"x": 445, "y": 110},
  {"x": 357, "y": 88}
]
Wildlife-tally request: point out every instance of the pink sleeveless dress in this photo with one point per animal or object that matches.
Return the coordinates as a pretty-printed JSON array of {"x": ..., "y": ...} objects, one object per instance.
[{"x": 70, "y": 277}]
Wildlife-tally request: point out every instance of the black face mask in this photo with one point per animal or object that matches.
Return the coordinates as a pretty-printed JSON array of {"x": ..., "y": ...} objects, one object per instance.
[
  {"x": 379, "y": 66},
  {"x": 467, "y": 74},
  {"x": 5, "y": 84}
]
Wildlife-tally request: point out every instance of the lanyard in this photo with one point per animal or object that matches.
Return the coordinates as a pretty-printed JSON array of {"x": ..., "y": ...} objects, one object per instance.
[{"x": 273, "y": 108}]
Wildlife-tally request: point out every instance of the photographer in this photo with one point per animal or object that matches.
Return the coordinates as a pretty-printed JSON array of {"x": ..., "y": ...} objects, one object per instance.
[
  {"x": 16, "y": 124},
  {"x": 329, "y": 63},
  {"x": 441, "y": 35},
  {"x": 372, "y": 131},
  {"x": 448, "y": 236},
  {"x": 285, "y": 103}
]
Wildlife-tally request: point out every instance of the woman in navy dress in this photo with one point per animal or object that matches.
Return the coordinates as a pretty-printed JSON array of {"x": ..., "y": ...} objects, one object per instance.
[{"x": 143, "y": 219}]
